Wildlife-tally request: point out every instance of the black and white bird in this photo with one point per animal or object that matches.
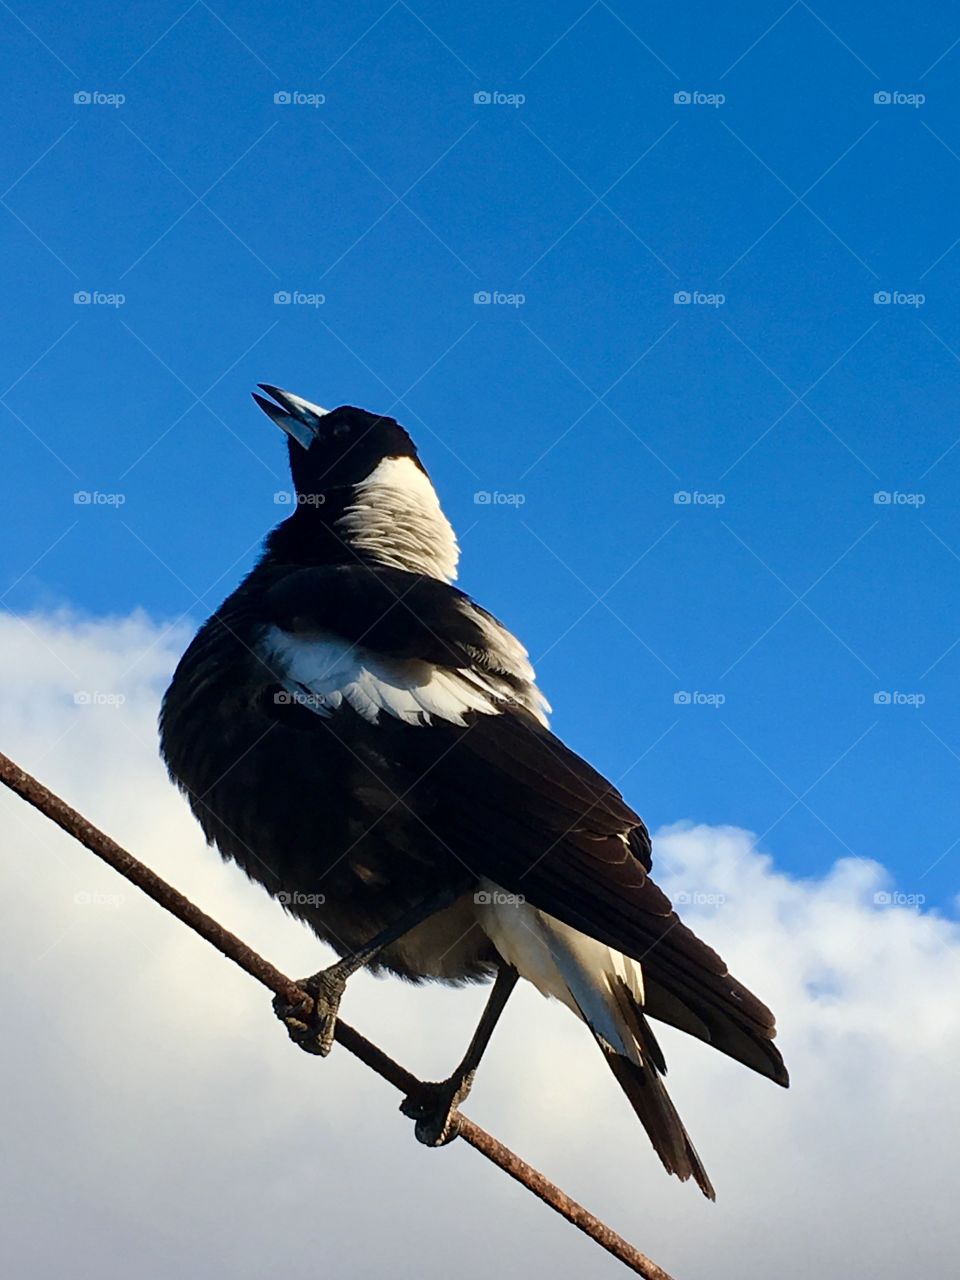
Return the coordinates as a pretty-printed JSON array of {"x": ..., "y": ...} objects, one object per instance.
[{"x": 370, "y": 745}]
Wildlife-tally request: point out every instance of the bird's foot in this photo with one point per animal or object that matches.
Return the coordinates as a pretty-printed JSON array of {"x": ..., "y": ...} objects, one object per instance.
[
  {"x": 434, "y": 1108},
  {"x": 313, "y": 1031}
]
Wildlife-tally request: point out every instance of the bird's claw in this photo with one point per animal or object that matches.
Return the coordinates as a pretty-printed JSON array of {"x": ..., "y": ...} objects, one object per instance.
[
  {"x": 313, "y": 1029},
  {"x": 434, "y": 1108}
]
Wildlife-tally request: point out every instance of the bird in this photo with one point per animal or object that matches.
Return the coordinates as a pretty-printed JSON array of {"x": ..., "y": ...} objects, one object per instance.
[{"x": 369, "y": 744}]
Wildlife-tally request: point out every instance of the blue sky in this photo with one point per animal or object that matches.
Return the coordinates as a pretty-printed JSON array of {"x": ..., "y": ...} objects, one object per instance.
[{"x": 782, "y": 587}]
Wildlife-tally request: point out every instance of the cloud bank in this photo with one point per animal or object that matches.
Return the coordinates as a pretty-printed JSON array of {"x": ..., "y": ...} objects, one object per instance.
[{"x": 157, "y": 1117}]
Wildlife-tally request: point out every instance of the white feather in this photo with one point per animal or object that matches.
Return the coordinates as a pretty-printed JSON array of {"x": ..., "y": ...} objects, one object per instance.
[
  {"x": 562, "y": 963},
  {"x": 323, "y": 672},
  {"x": 396, "y": 517},
  {"x": 503, "y": 646},
  {"x": 504, "y": 652}
]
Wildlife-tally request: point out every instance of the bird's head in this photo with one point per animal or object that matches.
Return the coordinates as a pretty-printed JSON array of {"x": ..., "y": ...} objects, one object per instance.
[{"x": 361, "y": 491}]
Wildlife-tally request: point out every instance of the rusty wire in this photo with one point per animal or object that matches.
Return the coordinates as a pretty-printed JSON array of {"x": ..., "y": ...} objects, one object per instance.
[{"x": 229, "y": 945}]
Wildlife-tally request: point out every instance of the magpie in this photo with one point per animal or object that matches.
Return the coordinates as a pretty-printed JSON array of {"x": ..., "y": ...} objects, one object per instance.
[{"x": 370, "y": 745}]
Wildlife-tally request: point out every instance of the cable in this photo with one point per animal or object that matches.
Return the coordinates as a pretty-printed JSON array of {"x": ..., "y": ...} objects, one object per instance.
[{"x": 229, "y": 945}]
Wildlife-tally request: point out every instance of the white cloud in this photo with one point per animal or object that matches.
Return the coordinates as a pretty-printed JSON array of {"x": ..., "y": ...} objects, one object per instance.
[{"x": 154, "y": 1109}]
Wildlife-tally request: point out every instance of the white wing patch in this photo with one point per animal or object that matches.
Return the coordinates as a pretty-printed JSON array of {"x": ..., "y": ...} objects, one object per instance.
[
  {"x": 503, "y": 652},
  {"x": 323, "y": 672}
]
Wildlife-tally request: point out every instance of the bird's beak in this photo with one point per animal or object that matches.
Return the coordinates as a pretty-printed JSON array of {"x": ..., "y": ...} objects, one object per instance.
[{"x": 297, "y": 417}]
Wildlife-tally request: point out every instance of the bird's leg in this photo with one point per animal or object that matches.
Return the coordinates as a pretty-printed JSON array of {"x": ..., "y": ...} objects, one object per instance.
[
  {"x": 314, "y": 1030},
  {"x": 434, "y": 1105}
]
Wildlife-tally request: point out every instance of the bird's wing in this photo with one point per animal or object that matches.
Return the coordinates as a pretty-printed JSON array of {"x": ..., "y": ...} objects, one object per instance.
[
  {"x": 450, "y": 688},
  {"x": 578, "y": 861},
  {"x": 385, "y": 640}
]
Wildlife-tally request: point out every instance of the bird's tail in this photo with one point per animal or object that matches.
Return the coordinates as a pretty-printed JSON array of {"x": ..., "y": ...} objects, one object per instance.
[
  {"x": 605, "y": 989},
  {"x": 640, "y": 1073}
]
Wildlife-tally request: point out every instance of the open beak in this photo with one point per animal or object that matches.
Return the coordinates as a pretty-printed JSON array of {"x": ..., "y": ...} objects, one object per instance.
[{"x": 297, "y": 417}]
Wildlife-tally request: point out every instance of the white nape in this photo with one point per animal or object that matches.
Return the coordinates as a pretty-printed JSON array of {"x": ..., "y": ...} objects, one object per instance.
[{"x": 396, "y": 517}]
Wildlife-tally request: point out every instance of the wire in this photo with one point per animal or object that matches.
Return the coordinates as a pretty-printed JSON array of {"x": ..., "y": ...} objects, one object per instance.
[{"x": 229, "y": 945}]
